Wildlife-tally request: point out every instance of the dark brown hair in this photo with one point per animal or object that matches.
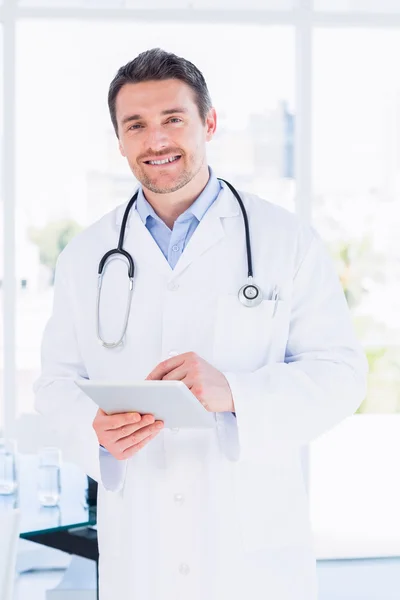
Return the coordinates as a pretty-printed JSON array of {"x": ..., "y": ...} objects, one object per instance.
[{"x": 158, "y": 65}]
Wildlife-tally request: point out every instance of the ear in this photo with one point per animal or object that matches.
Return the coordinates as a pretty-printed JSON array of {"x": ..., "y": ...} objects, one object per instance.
[{"x": 211, "y": 124}]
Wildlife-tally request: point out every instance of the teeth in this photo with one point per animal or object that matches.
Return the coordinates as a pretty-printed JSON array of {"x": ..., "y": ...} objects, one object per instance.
[{"x": 164, "y": 161}]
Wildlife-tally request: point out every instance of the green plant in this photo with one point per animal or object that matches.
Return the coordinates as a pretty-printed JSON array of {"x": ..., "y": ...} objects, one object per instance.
[{"x": 52, "y": 239}]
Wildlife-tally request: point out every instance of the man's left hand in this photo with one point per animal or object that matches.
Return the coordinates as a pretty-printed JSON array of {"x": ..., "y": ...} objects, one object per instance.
[{"x": 209, "y": 385}]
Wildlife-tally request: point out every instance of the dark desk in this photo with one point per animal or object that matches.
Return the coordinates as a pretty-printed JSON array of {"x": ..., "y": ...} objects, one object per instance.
[{"x": 67, "y": 527}]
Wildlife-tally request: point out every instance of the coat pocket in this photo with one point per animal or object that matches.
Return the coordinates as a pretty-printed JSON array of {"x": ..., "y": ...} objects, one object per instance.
[{"x": 242, "y": 335}]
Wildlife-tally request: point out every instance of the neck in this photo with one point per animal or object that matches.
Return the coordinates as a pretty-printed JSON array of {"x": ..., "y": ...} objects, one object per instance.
[{"x": 170, "y": 206}]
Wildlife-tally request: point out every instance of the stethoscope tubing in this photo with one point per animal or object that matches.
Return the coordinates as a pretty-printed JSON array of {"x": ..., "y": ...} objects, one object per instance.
[{"x": 249, "y": 295}]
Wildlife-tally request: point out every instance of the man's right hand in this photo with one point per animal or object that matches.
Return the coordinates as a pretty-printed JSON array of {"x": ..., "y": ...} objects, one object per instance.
[{"x": 124, "y": 434}]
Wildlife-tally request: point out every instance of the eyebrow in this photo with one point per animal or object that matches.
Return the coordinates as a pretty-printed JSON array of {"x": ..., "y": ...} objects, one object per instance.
[{"x": 168, "y": 111}]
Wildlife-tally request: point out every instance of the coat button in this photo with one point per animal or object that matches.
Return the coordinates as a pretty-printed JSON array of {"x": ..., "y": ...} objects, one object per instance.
[
  {"x": 179, "y": 499},
  {"x": 184, "y": 569},
  {"x": 174, "y": 429},
  {"x": 173, "y": 353},
  {"x": 172, "y": 286}
]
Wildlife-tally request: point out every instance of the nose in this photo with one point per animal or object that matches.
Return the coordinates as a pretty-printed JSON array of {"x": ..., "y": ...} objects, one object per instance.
[{"x": 156, "y": 138}]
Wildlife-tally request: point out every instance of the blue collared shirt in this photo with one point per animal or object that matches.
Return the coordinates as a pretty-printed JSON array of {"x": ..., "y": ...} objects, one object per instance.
[{"x": 172, "y": 243}]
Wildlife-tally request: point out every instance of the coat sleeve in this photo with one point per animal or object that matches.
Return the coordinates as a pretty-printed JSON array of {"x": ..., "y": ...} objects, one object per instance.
[
  {"x": 67, "y": 410},
  {"x": 323, "y": 377}
]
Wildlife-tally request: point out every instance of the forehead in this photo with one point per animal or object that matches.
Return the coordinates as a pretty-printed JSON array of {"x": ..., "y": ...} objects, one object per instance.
[{"x": 152, "y": 97}]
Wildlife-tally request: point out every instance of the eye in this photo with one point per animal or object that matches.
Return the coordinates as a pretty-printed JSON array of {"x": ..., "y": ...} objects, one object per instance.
[
  {"x": 176, "y": 119},
  {"x": 135, "y": 126}
]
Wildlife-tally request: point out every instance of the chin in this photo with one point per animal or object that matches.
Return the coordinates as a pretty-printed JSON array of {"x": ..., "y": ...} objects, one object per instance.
[{"x": 165, "y": 185}]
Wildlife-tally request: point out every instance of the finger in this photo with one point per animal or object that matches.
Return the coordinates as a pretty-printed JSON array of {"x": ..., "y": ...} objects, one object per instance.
[
  {"x": 196, "y": 391},
  {"x": 166, "y": 366},
  {"x": 134, "y": 449},
  {"x": 177, "y": 374},
  {"x": 190, "y": 383},
  {"x": 129, "y": 428},
  {"x": 138, "y": 436},
  {"x": 120, "y": 419}
]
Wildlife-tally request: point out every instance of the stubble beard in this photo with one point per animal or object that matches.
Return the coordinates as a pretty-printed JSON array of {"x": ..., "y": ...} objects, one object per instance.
[{"x": 184, "y": 178}]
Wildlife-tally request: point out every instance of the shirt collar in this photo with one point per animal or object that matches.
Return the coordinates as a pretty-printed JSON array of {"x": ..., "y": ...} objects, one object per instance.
[
  {"x": 144, "y": 208},
  {"x": 197, "y": 209},
  {"x": 225, "y": 206}
]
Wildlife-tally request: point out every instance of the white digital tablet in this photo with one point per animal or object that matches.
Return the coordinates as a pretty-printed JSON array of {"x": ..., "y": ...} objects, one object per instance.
[{"x": 169, "y": 401}]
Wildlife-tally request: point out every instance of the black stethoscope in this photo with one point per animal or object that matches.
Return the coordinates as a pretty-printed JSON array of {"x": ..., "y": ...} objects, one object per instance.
[{"x": 249, "y": 295}]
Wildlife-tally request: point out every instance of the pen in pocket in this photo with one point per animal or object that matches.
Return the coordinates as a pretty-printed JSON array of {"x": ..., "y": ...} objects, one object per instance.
[{"x": 275, "y": 298}]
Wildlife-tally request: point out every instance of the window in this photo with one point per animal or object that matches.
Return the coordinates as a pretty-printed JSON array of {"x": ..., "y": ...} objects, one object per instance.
[
  {"x": 1, "y": 247},
  {"x": 356, "y": 174},
  {"x": 69, "y": 170},
  {"x": 69, "y": 173},
  {"x": 357, "y": 184},
  {"x": 358, "y": 6},
  {"x": 280, "y": 5}
]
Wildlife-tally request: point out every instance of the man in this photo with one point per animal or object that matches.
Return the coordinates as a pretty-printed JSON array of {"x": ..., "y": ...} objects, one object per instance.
[{"x": 198, "y": 514}]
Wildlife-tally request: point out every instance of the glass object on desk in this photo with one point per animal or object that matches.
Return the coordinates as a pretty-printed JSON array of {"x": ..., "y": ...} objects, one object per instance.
[
  {"x": 49, "y": 481},
  {"x": 8, "y": 466}
]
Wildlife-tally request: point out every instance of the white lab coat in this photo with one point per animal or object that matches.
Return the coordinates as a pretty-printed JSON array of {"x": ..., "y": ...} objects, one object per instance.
[{"x": 219, "y": 514}]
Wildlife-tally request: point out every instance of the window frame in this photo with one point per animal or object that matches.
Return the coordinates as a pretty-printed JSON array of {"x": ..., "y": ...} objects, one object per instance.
[
  {"x": 11, "y": 13},
  {"x": 304, "y": 19}
]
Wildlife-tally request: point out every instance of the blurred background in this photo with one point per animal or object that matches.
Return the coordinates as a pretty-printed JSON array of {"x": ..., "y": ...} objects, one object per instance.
[{"x": 308, "y": 99}]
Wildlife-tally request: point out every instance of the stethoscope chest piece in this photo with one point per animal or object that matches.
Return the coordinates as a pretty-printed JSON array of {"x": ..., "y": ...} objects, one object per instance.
[{"x": 250, "y": 294}]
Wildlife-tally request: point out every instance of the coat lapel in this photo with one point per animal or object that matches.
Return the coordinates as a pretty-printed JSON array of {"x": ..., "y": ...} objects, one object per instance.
[
  {"x": 209, "y": 231},
  {"x": 144, "y": 249}
]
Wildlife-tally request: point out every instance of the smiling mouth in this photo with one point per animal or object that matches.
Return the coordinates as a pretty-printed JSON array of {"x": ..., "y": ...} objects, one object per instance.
[{"x": 163, "y": 161}]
